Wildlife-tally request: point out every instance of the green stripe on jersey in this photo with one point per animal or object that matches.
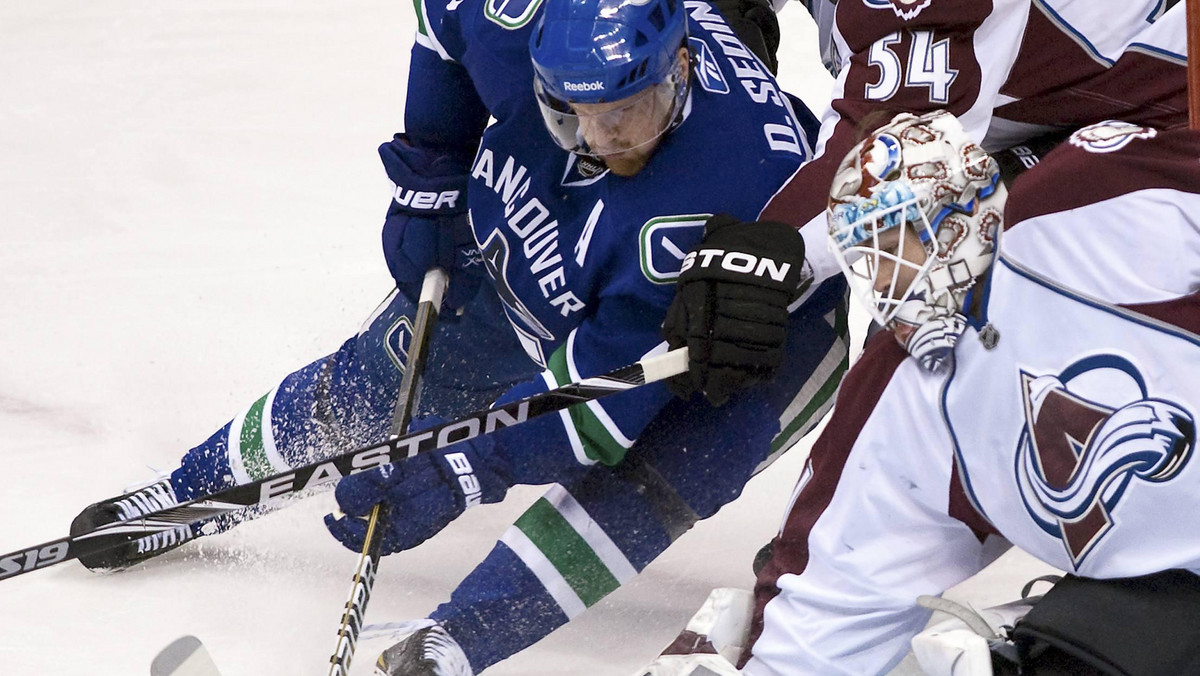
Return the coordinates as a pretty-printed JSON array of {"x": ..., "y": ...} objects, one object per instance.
[
  {"x": 822, "y": 399},
  {"x": 569, "y": 553},
  {"x": 598, "y": 443},
  {"x": 419, "y": 6},
  {"x": 254, "y": 456}
]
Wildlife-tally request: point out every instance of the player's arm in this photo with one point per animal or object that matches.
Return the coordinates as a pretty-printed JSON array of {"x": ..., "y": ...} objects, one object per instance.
[
  {"x": 426, "y": 492},
  {"x": 442, "y": 109},
  {"x": 429, "y": 167},
  {"x": 876, "y": 520},
  {"x": 756, "y": 25}
]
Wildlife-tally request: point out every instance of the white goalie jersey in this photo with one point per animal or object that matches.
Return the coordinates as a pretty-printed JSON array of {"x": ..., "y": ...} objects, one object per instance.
[{"x": 1067, "y": 425}]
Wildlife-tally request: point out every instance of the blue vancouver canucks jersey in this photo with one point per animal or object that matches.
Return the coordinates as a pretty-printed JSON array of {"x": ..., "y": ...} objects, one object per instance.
[
  {"x": 585, "y": 260},
  {"x": 583, "y": 264}
]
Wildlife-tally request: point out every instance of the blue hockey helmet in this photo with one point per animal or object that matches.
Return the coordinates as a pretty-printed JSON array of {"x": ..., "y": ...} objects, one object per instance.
[
  {"x": 597, "y": 51},
  {"x": 601, "y": 51}
]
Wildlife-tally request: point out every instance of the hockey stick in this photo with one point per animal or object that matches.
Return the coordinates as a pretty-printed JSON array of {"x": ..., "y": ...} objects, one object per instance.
[
  {"x": 395, "y": 449},
  {"x": 410, "y": 391},
  {"x": 186, "y": 656}
]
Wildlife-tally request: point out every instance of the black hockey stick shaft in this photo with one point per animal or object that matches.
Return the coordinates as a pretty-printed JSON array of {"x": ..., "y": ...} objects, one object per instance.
[
  {"x": 486, "y": 421},
  {"x": 363, "y": 582}
]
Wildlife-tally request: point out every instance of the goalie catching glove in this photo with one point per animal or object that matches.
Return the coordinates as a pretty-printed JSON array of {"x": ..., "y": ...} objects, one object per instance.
[
  {"x": 421, "y": 494},
  {"x": 731, "y": 305}
]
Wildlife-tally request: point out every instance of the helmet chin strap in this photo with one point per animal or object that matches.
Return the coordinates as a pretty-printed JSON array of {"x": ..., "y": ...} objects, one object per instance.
[{"x": 932, "y": 344}]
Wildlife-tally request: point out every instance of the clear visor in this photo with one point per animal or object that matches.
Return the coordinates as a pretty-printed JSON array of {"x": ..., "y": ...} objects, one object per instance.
[
  {"x": 870, "y": 249},
  {"x": 601, "y": 129}
]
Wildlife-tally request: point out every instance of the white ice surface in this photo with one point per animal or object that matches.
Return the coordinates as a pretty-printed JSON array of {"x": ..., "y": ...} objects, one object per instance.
[{"x": 190, "y": 202}]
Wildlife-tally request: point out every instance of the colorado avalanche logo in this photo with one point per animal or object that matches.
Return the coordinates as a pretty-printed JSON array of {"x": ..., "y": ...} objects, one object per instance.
[
  {"x": 1110, "y": 136},
  {"x": 905, "y": 9},
  {"x": 1077, "y": 456}
]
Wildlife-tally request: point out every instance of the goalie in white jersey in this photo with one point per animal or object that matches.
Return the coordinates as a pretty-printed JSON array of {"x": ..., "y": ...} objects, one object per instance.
[{"x": 1042, "y": 387}]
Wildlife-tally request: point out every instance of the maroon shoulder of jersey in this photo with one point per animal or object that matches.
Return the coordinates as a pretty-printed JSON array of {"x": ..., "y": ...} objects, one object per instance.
[
  {"x": 1056, "y": 81},
  {"x": 1104, "y": 161},
  {"x": 856, "y": 400}
]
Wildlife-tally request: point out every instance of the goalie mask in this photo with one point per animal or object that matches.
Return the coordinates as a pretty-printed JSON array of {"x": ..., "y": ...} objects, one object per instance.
[{"x": 913, "y": 215}]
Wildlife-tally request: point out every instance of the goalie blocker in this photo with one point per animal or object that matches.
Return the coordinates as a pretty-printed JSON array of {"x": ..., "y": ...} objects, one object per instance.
[
  {"x": 1138, "y": 626},
  {"x": 1150, "y": 626}
]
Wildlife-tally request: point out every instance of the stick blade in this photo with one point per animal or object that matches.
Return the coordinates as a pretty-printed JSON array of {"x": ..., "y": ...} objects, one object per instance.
[{"x": 185, "y": 656}]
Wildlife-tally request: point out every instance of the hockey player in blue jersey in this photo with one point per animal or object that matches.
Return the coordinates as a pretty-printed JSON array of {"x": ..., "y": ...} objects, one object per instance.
[{"x": 610, "y": 151}]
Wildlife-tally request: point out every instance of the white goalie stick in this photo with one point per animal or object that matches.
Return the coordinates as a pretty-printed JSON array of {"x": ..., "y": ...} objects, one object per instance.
[
  {"x": 395, "y": 449},
  {"x": 432, "y": 289},
  {"x": 185, "y": 656}
]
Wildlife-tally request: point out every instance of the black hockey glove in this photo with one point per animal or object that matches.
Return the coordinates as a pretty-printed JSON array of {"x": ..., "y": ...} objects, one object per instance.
[
  {"x": 756, "y": 25},
  {"x": 731, "y": 305}
]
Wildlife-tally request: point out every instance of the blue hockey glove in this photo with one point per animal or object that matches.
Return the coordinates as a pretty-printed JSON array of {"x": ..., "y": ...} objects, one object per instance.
[
  {"x": 421, "y": 495},
  {"x": 427, "y": 223}
]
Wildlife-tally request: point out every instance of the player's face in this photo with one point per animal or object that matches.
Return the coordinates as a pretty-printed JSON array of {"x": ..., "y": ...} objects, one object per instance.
[
  {"x": 626, "y": 133},
  {"x": 893, "y": 279}
]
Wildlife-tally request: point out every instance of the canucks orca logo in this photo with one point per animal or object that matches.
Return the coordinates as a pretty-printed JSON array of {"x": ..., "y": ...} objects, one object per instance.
[
  {"x": 1077, "y": 455},
  {"x": 525, "y": 324},
  {"x": 511, "y": 14},
  {"x": 664, "y": 242}
]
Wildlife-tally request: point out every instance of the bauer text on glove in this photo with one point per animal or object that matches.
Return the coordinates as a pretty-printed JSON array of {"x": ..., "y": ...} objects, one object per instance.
[
  {"x": 421, "y": 494},
  {"x": 427, "y": 223}
]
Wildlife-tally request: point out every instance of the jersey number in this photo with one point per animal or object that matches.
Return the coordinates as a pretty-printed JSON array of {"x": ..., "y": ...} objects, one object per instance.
[{"x": 928, "y": 66}]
